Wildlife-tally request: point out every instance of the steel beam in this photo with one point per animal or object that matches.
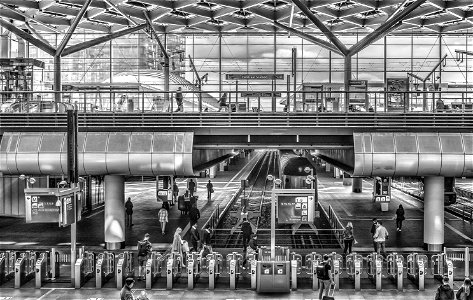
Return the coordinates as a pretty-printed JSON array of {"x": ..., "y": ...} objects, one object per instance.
[
  {"x": 385, "y": 28},
  {"x": 332, "y": 38},
  {"x": 102, "y": 39},
  {"x": 118, "y": 10},
  {"x": 308, "y": 37},
  {"x": 71, "y": 29},
  {"x": 57, "y": 87},
  {"x": 28, "y": 37},
  {"x": 39, "y": 36}
]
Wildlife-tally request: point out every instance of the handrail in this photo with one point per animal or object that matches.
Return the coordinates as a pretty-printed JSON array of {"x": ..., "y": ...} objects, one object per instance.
[{"x": 335, "y": 224}]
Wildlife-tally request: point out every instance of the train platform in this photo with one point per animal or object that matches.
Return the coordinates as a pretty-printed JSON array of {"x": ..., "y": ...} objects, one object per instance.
[
  {"x": 360, "y": 210},
  {"x": 106, "y": 294},
  {"x": 90, "y": 231}
]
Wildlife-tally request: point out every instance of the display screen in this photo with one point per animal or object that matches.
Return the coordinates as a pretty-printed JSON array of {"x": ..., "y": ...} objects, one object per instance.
[
  {"x": 294, "y": 209},
  {"x": 42, "y": 209}
]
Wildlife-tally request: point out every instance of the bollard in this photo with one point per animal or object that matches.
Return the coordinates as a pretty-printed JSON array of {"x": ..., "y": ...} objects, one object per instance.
[
  {"x": 233, "y": 274},
  {"x": 169, "y": 273},
  {"x": 421, "y": 275},
  {"x": 378, "y": 273},
  {"x": 357, "y": 275}
]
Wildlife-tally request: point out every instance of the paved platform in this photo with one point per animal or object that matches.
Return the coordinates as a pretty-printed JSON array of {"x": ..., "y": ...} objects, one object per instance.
[
  {"x": 15, "y": 233},
  {"x": 359, "y": 209},
  {"x": 106, "y": 294}
]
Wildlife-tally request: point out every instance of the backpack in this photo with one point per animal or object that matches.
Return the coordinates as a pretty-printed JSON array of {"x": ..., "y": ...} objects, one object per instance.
[
  {"x": 143, "y": 248},
  {"x": 322, "y": 272}
]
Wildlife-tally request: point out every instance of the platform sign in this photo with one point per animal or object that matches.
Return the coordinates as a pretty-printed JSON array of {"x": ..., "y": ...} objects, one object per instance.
[
  {"x": 254, "y": 76},
  {"x": 358, "y": 90},
  {"x": 162, "y": 195},
  {"x": 260, "y": 94},
  {"x": 295, "y": 208}
]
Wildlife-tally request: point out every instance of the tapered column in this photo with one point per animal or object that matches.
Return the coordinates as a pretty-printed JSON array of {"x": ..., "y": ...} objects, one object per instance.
[
  {"x": 357, "y": 186},
  {"x": 434, "y": 213},
  {"x": 213, "y": 171},
  {"x": 114, "y": 212}
]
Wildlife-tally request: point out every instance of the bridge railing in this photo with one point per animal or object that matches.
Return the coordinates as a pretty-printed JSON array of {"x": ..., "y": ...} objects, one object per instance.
[{"x": 238, "y": 101}]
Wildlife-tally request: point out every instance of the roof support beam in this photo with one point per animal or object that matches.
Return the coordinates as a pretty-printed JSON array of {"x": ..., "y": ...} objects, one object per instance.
[
  {"x": 81, "y": 46},
  {"x": 385, "y": 28},
  {"x": 71, "y": 29},
  {"x": 308, "y": 37},
  {"x": 27, "y": 17},
  {"x": 118, "y": 10},
  {"x": 332, "y": 38},
  {"x": 28, "y": 37},
  {"x": 41, "y": 38},
  {"x": 155, "y": 35}
]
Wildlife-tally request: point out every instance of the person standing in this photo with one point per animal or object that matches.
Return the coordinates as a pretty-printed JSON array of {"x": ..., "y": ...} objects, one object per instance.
[
  {"x": 210, "y": 190},
  {"x": 175, "y": 192},
  {"x": 163, "y": 219},
  {"x": 144, "y": 248},
  {"x": 179, "y": 100},
  {"x": 324, "y": 275},
  {"x": 444, "y": 291},
  {"x": 247, "y": 231},
  {"x": 126, "y": 293},
  {"x": 222, "y": 102},
  {"x": 380, "y": 237},
  {"x": 191, "y": 188},
  {"x": 348, "y": 238},
  {"x": 194, "y": 214},
  {"x": 399, "y": 217},
  {"x": 195, "y": 238},
  {"x": 129, "y": 213},
  {"x": 373, "y": 231},
  {"x": 465, "y": 292}
]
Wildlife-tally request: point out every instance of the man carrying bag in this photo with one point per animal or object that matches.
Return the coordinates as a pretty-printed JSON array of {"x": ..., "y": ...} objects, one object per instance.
[{"x": 324, "y": 275}]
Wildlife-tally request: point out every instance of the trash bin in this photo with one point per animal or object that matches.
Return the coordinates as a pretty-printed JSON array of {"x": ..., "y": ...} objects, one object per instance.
[
  {"x": 273, "y": 276},
  {"x": 264, "y": 270},
  {"x": 282, "y": 277}
]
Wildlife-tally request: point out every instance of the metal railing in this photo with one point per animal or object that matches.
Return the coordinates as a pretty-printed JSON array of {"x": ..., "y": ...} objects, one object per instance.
[
  {"x": 335, "y": 223},
  {"x": 323, "y": 102}
]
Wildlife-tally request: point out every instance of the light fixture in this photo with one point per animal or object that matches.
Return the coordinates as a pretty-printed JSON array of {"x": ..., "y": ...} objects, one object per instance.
[{"x": 32, "y": 180}]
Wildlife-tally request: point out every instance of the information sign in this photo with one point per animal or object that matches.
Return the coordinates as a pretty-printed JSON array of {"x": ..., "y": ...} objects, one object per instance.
[
  {"x": 41, "y": 209},
  {"x": 162, "y": 195},
  {"x": 68, "y": 211},
  {"x": 382, "y": 189},
  {"x": 260, "y": 94},
  {"x": 254, "y": 76},
  {"x": 293, "y": 209}
]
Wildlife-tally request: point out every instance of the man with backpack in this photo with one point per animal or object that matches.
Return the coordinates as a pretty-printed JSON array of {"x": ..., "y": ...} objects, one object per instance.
[
  {"x": 246, "y": 231},
  {"x": 444, "y": 291},
  {"x": 324, "y": 275},
  {"x": 144, "y": 248}
]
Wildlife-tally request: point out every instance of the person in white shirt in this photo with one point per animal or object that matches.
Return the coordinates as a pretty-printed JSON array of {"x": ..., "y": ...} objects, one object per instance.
[{"x": 380, "y": 237}]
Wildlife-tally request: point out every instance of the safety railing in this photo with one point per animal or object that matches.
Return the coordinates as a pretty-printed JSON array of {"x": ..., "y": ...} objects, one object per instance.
[
  {"x": 462, "y": 259},
  {"x": 132, "y": 101},
  {"x": 335, "y": 223}
]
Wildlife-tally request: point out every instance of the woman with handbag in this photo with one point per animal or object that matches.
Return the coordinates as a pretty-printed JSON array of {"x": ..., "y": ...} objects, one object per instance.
[
  {"x": 465, "y": 292},
  {"x": 399, "y": 217}
]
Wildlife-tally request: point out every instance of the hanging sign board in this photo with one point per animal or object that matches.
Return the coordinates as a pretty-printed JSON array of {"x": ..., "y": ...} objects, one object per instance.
[
  {"x": 260, "y": 94},
  {"x": 254, "y": 76},
  {"x": 162, "y": 195},
  {"x": 295, "y": 206}
]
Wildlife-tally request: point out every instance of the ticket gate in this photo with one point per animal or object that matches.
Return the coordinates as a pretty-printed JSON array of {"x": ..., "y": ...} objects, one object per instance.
[
  {"x": 173, "y": 268},
  {"x": 442, "y": 266},
  {"x": 375, "y": 269},
  {"x": 234, "y": 265},
  {"x": 24, "y": 268},
  {"x": 154, "y": 266},
  {"x": 354, "y": 267},
  {"x": 104, "y": 268},
  {"x": 42, "y": 269},
  {"x": 214, "y": 266},
  {"x": 252, "y": 260},
  {"x": 336, "y": 263},
  {"x": 125, "y": 268},
  {"x": 55, "y": 261},
  {"x": 84, "y": 269},
  {"x": 7, "y": 265},
  {"x": 416, "y": 268},
  {"x": 395, "y": 269},
  {"x": 312, "y": 260},
  {"x": 296, "y": 268},
  {"x": 193, "y": 268}
]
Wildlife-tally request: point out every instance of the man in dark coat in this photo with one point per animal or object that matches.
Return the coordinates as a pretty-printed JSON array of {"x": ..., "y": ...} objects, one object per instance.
[
  {"x": 129, "y": 212},
  {"x": 125, "y": 293},
  {"x": 194, "y": 214},
  {"x": 247, "y": 231},
  {"x": 195, "y": 238}
]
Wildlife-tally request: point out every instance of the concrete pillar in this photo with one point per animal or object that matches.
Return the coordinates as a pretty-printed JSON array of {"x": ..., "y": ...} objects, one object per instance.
[
  {"x": 213, "y": 171},
  {"x": 114, "y": 187},
  {"x": 434, "y": 213},
  {"x": 346, "y": 179},
  {"x": 221, "y": 166},
  {"x": 336, "y": 173},
  {"x": 327, "y": 167},
  {"x": 357, "y": 186}
]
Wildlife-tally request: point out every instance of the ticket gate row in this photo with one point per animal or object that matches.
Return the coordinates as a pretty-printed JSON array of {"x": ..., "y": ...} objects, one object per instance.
[
  {"x": 7, "y": 265},
  {"x": 416, "y": 269},
  {"x": 442, "y": 266},
  {"x": 25, "y": 267},
  {"x": 154, "y": 267}
]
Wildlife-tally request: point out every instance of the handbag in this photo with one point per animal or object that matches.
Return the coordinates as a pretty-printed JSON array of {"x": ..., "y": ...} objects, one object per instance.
[
  {"x": 185, "y": 246},
  {"x": 212, "y": 191}
]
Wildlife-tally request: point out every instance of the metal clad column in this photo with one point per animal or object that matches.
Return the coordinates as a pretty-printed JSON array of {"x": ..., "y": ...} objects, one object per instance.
[
  {"x": 433, "y": 213},
  {"x": 357, "y": 186},
  {"x": 114, "y": 187}
]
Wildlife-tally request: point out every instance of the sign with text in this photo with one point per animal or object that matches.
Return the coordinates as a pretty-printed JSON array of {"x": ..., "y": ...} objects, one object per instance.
[
  {"x": 260, "y": 94},
  {"x": 294, "y": 209},
  {"x": 382, "y": 189},
  {"x": 254, "y": 76},
  {"x": 162, "y": 195},
  {"x": 41, "y": 209}
]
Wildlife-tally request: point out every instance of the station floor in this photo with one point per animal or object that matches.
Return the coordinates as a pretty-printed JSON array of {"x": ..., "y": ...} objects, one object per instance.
[
  {"x": 359, "y": 209},
  {"x": 15, "y": 233},
  {"x": 108, "y": 294}
]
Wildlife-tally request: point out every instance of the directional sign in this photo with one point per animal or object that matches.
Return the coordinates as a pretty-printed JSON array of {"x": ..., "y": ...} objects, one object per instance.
[
  {"x": 260, "y": 94},
  {"x": 254, "y": 76}
]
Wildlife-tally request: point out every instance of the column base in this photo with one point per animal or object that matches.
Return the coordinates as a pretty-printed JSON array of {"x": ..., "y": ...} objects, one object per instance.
[
  {"x": 433, "y": 247},
  {"x": 356, "y": 190},
  {"x": 115, "y": 246}
]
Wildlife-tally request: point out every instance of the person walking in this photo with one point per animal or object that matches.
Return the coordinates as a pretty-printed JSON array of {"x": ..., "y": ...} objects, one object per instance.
[
  {"x": 247, "y": 231},
  {"x": 223, "y": 102},
  {"x": 144, "y": 248},
  {"x": 380, "y": 237},
  {"x": 179, "y": 100},
  {"x": 175, "y": 192},
  {"x": 194, "y": 214},
  {"x": 324, "y": 275},
  {"x": 195, "y": 238},
  {"x": 373, "y": 231},
  {"x": 191, "y": 188},
  {"x": 348, "y": 238},
  {"x": 210, "y": 190},
  {"x": 399, "y": 217},
  {"x": 206, "y": 235},
  {"x": 444, "y": 291},
  {"x": 465, "y": 292},
  {"x": 126, "y": 293},
  {"x": 177, "y": 241},
  {"x": 129, "y": 213},
  {"x": 163, "y": 219}
]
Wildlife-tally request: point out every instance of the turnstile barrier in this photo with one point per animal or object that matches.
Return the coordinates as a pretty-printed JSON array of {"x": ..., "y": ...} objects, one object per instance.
[
  {"x": 354, "y": 267},
  {"x": 442, "y": 266},
  {"x": 416, "y": 267},
  {"x": 154, "y": 267},
  {"x": 104, "y": 268},
  {"x": 125, "y": 268},
  {"x": 173, "y": 268},
  {"x": 312, "y": 260},
  {"x": 375, "y": 268},
  {"x": 7, "y": 265},
  {"x": 234, "y": 266},
  {"x": 336, "y": 264},
  {"x": 296, "y": 268},
  {"x": 25, "y": 267},
  {"x": 84, "y": 269},
  {"x": 214, "y": 267},
  {"x": 42, "y": 269},
  {"x": 193, "y": 268}
]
